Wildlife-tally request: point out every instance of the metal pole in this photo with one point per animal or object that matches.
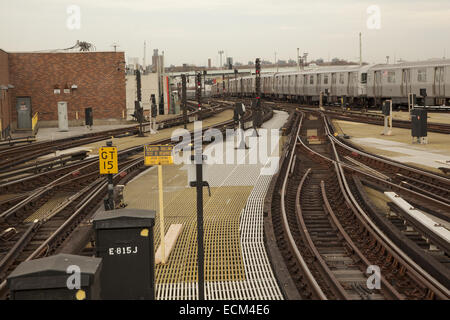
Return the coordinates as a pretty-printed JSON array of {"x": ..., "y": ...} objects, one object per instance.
[
  {"x": 257, "y": 113},
  {"x": 360, "y": 50},
  {"x": 161, "y": 215},
  {"x": 199, "y": 174},
  {"x": 199, "y": 95},
  {"x": 110, "y": 185},
  {"x": 276, "y": 60},
  {"x": 183, "y": 99}
]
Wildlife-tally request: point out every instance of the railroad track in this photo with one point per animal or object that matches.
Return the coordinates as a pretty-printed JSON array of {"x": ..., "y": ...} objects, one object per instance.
[
  {"x": 23, "y": 238},
  {"x": 326, "y": 239},
  {"x": 355, "y": 116},
  {"x": 13, "y": 157},
  {"x": 377, "y": 119}
]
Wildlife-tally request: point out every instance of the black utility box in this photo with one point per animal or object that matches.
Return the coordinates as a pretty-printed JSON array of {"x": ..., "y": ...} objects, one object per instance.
[
  {"x": 386, "y": 108},
  {"x": 124, "y": 241},
  {"x": 419, "y": 122},
  {"x": 55, "y": 278}
]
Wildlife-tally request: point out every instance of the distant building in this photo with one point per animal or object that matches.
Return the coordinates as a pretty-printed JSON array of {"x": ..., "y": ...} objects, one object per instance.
[
  {"x": 229, "y": 63},
  {"x": 157, "y": 62},
  {"x": 209, "y": 63}
]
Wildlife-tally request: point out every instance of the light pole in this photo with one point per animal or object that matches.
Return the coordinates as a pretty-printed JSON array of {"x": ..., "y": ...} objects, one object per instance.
[{"x": 276, "y": 60}]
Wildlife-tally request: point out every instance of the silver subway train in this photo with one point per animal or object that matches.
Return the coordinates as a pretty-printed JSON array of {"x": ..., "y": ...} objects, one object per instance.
[{"x": 367, "y": 85}]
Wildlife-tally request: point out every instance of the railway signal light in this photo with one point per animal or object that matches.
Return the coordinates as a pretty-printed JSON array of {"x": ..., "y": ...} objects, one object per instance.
[
  {"x": 199, "y": 94},
  {"x": 183, "y": 99}
]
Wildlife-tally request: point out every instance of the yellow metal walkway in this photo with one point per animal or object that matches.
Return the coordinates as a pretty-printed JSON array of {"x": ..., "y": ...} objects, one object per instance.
[{"x": 236, "y": 264}]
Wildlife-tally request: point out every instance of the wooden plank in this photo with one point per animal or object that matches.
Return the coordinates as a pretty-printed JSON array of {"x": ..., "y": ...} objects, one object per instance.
[{"x": 170, "y": 239}]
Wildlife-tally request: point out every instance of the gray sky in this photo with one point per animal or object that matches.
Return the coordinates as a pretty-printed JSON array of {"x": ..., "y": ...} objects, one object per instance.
[{"x": 191, "y": 31}]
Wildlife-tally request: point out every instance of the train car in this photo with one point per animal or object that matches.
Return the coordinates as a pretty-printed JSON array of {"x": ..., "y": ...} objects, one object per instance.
[
  {"x": 366, "y": 85},
  {"x": 397, "y": 81},
  {"x": 266, "y": 85}
]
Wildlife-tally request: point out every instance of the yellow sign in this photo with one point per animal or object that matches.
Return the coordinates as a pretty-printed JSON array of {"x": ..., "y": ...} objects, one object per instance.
[
  {"x": 108, "y": 160},
  {"x": 34, "y": 122},
  {"x": 158, "y": 155}
]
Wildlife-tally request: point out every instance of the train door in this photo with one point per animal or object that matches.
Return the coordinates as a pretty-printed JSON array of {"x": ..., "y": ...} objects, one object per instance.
[
  {"x": 377, "y": 84},
  {"x": 349, "y": 84},
  {"x": 406, "y": 82},
  {"x": 23, "y": 108},
  {"x": 439, "y": 87},
  {"x": 333, "y": 84},
  {"x": 305, "y": 81}
]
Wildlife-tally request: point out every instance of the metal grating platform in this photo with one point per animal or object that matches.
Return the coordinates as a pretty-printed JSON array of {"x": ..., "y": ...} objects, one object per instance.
[{"x": 236, "y": 264}]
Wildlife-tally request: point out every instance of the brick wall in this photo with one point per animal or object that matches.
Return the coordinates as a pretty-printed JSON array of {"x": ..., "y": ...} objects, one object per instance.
[
  {"x": 5, "y": 95},
  {"x": 99, "y": 76}
]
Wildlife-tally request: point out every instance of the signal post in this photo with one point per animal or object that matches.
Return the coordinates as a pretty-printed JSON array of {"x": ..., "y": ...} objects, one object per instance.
[{"x": 108, "y": 161}]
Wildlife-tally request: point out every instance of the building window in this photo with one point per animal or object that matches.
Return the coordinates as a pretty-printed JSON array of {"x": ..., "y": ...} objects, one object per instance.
[
  {"x": 311, "y": 79},
  {"x": 325, "y": 79},
  {"x": 422, "y": 75},
  {"x": 333, "y": 78},
  {"x": 391, "y": 77},
  {"x": 341, "y": 78}
]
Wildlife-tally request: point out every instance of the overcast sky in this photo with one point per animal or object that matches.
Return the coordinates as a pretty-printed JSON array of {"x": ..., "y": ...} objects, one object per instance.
[{"x": 191, "y": 31}]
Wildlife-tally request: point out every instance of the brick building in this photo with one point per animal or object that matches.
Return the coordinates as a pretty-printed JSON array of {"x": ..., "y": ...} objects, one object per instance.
[
  {"x": 5, "y": 95},
  {"x": 81, "y": 79}
]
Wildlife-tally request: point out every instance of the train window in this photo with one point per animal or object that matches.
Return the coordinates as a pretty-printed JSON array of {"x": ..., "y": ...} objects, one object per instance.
[
  {"x": 422, "y": 75},
  {"x": 363, "y": 77},
  {"x": 325, "y": 79},
  {"x": 391, "y": 77},
  {"x": 341, "y": 78},
  {"x": 311, "y": 79}
]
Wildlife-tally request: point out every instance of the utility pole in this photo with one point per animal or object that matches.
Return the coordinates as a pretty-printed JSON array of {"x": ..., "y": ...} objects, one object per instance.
[
  {"x": 143, "y": 60},
  {"x": 276, "y": 60},
  {"x": 360, "y": 50},
  {"x": 298, "y": 59},
  {"x": 235, "y": 80}
]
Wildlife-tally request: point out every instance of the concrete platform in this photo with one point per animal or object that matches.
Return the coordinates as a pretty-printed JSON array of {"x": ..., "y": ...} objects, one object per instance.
[
  {"x": 436, "y": 117},
  {"x": 54, "y": 133},
  {"x": 236, "y": 264},
  {"x": 399, "y": 146}
]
